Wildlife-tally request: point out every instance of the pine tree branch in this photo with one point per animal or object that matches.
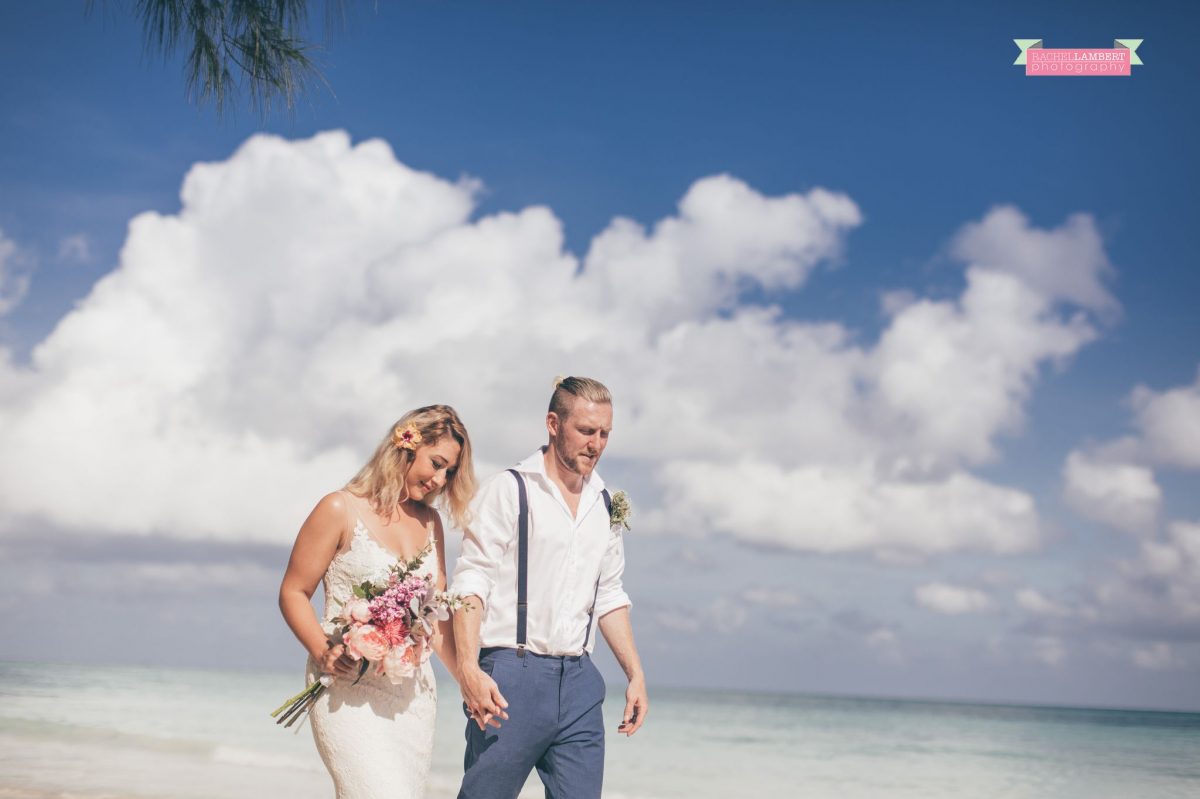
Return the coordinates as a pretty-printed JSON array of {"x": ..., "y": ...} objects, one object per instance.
[{"x": 252, "y": 44}]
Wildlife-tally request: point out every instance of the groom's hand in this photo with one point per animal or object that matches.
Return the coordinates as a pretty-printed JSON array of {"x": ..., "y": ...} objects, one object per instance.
[
  {"x": 637, "y": 705},
  {"x": 482, "y": 696}
]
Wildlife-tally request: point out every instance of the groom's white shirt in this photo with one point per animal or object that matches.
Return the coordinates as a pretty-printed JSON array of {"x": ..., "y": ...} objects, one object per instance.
[{"x": 565, "y": 557}]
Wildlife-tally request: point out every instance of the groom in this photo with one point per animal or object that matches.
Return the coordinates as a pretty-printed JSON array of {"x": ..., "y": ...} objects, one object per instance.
[{"x": 539, "y": 566}]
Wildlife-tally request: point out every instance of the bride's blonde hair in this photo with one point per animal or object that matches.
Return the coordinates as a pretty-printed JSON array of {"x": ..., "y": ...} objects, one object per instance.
[{"x": 381, "y": 480}]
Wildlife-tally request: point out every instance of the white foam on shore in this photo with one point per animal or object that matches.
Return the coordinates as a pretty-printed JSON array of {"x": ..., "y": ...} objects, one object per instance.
[
  {"x": 117, "y": 733},
  {"x": 46, "y": 769}
]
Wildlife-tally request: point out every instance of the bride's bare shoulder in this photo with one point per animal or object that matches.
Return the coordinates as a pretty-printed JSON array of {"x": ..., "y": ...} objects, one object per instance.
[
  {"x": 335, "y": 501},
  {"x": 332, "y": 511}
]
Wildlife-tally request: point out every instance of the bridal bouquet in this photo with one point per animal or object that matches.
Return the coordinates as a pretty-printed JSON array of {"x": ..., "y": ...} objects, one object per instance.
[{"x": 387, "y": 624}]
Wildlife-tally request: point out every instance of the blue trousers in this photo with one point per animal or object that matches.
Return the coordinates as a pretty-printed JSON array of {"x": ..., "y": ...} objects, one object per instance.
[{"x": 555, "y": 724}]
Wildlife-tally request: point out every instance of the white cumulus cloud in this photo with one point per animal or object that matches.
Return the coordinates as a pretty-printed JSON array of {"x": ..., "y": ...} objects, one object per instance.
[
  {"x": 774, "y": 597},
  {"x": 14, "y": 277},
  {"x": 246, "y": 353},
  {"x": 1068, "y": 263},
  {"x": 951, "y": 600},
  {"x": 1116, "y": 493},
  {"x": 1157, "y": 589},
  {"x": 852, "y": 508},
  {"x": 1039, "y": 604},
  {"x": 1169, "y": 422},
  {"x": 948, "y": 377}
]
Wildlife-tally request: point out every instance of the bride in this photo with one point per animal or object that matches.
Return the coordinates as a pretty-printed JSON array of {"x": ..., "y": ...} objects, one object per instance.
[{"x": 376, "y": 737}]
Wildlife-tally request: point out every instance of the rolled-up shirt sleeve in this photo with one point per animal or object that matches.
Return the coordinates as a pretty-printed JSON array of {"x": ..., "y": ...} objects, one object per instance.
[
  {"x": 486, "y": 541},
  {"x": 611, "y": 594}
]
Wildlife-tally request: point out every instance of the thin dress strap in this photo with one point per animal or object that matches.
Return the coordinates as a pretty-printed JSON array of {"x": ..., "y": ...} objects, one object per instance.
[
  {"x": 431, "y": 527},
  {"x": 352, "y": 515}
]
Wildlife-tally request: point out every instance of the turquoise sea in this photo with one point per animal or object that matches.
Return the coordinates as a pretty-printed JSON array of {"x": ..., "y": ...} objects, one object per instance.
[{"x": 85, "y": 732}]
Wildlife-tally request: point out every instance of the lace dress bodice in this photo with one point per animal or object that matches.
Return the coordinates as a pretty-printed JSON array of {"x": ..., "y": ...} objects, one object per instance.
[{"x": 365, "y": 560}]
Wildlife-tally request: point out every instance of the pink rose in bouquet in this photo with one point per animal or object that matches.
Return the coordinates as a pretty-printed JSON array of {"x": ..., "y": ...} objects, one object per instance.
[
  {"x": 402, "y": 661},
  {"x": 356, "y": 610},
  {"x": 366, "y": 642},
  {"x": 397, "y": 664}
]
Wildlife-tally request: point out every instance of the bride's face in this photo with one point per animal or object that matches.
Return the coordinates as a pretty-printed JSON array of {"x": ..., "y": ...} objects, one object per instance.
[{"x": 432, "y": 467}]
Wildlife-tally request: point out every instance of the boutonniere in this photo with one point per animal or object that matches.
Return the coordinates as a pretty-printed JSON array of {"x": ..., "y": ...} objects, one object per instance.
[{"x": 621, "y": 511}]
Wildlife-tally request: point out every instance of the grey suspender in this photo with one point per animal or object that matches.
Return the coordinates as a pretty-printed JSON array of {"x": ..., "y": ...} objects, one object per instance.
[
  {"x": 522, "y": 561},
  {"x": 523, "y": 566},
  {"x": 596, "y": 594}
]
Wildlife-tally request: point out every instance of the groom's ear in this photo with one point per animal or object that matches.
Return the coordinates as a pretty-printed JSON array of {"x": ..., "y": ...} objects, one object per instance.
[{"x": 552, "y": 423}]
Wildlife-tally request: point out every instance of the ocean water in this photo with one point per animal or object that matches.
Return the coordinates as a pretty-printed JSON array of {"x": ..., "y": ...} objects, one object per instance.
[{"x": 84, "y": 732}]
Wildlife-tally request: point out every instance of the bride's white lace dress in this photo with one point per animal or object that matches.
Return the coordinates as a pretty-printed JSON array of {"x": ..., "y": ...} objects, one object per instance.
[{"x": 376, "y": 738}]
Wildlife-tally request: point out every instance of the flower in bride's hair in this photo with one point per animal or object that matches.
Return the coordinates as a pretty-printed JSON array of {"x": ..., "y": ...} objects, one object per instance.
[
  {"x": 366, "y": 642},
  {"x": 406, "y": 437}
]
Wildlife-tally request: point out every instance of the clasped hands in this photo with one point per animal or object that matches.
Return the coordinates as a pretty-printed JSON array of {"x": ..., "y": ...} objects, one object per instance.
[{"x": 482, "y": 696}]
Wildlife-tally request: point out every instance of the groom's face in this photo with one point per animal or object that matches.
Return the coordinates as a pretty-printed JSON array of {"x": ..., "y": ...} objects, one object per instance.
[{"x": 581, "y": 437}]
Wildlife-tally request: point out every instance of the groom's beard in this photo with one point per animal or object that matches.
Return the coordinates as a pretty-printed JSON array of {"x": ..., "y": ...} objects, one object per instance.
[{"x": 574, "y": 461}]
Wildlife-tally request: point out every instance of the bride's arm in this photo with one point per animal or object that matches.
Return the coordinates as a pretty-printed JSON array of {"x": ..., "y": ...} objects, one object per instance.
[
  {"x": 443, "y": 636},
  {"x": 316, "y": 545}
]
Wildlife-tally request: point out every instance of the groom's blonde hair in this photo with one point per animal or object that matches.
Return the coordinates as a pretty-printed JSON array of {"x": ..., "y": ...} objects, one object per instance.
[
  {"x": 566, "y": 389},
  {"x": 381, "y": 480}
]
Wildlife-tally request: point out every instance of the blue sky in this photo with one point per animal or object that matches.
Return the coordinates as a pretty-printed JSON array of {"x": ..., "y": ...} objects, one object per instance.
[{"x": 618, "y": 110}]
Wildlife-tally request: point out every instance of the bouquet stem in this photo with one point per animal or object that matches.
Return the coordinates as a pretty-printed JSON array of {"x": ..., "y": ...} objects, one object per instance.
[
  {"x": 304, "y": 708},
  {"x": 293, "y": 700},
  {"x": 294, "y": 708}
]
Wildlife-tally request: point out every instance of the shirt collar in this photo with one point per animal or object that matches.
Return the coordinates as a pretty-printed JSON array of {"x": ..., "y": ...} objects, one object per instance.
[{"x": 536, "y": 464}]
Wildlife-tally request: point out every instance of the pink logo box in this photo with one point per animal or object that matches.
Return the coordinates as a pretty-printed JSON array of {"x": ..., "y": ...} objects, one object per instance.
[{"x": 1085, "y": 62}]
